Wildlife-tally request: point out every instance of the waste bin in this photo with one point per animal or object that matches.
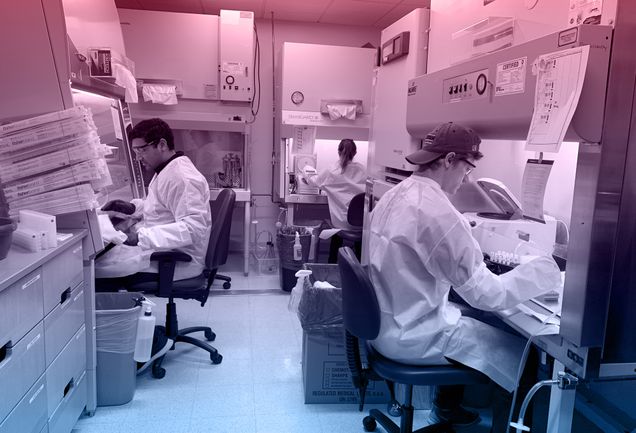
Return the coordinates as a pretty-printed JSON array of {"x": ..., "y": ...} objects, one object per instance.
[
  {"x": 325, "y": 370},
  {"x": 285, "y": 244},
  {"x": 116, "y": 316}
]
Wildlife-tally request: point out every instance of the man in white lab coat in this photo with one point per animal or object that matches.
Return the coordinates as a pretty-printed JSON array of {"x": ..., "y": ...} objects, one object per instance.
[
  {"x": 419, "y": 247},
  {"x": 175, "y": 214}
]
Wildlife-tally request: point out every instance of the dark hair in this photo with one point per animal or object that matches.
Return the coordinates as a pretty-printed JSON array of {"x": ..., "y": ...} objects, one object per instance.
[
  {"x": 151, "y": 131},
  {"x": 346, "y": 150}
]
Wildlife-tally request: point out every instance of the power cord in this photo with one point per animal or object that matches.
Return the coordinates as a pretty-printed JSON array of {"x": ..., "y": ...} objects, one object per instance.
[{"x": 522, "y": 365}]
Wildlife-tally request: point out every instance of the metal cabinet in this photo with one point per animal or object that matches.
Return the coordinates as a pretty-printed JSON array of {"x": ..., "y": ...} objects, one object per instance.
[{"x": 42, "y": 339}]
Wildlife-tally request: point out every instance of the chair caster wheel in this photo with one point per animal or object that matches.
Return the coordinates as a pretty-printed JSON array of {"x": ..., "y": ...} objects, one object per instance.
[
  {"x": 227, "y": 285},
  {"x": 158, "y": 372},
  {"x": 394, "y": 409},
  {"x": 369, "y": 423},
  {"x": 209, "y": 335},
  {"x": 216, "y": 358}
]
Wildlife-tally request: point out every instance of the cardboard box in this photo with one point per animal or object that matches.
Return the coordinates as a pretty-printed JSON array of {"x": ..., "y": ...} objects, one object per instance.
[
  {"x": 100, "y": 62},
  {"x": 326, "y": 376}
]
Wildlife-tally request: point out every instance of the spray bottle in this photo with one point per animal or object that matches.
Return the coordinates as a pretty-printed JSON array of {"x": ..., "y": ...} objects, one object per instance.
[
  {"x": 145, "y": 332},
  {"x": 298, "y": 249}
]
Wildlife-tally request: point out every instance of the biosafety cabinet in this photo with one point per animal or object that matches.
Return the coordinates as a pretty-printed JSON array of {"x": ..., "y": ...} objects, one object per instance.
[
  {"x": 325, "y": 95},
  {"x": 596, "y": 338}
]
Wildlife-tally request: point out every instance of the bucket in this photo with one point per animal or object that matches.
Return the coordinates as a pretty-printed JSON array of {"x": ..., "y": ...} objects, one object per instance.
[{"x": 7, "y": 226}]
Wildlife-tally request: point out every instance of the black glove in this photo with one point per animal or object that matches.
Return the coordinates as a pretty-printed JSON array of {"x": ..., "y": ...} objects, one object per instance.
[
  {"x": 119, "y": 206},
  {"x": 132, "y": 240}
]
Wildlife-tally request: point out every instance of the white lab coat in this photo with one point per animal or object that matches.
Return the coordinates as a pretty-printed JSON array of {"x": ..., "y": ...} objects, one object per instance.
[
  {"x": 175, "y": 215},
  {"x": 420, "y": 246},
  {"x": 340, "y": 188}
]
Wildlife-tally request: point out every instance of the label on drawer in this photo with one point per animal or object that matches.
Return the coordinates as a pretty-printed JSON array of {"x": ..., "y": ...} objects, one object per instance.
[
  {"x": 35, "y": 395},
  {"x": 31, "y": 281},
  {"x": 35, "y": 340}
]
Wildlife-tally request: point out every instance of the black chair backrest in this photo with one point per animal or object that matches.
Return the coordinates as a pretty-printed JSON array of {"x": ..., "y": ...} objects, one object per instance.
[
  {"x": 360, "y": 308},
  {"x": 355, "y": 211},
  {"x": 221, "y": 209}
]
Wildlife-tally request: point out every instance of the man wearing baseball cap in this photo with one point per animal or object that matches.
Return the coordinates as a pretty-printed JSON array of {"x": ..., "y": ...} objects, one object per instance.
[{"x": 419, "y": 247}]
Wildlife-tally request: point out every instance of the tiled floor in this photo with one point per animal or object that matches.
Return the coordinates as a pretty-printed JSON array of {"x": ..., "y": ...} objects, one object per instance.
[{"x": 256, "y": 389}]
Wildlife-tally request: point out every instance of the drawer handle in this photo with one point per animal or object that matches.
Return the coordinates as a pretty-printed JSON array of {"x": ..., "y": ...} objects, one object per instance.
[
  {"x": 31, "y": 281},
  {"x": 5, "y": 354},
  {"x": 69, "y": 386},
  {"x": 36, "y": 394},
  {"x": 66, "y": 294}
]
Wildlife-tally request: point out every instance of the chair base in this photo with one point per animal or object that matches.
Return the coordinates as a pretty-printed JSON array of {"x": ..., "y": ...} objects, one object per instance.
[
  {"x": 181, "y": 336},
  {"x": 228, "y": 280},
  {"x": 406, "y": 423}
]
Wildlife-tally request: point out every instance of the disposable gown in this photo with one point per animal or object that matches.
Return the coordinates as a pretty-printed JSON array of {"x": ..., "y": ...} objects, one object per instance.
[
  {"x": 175, "y": 215},
  {"x": 420, "y": 246},
  {"x": 340, "y": 188}
]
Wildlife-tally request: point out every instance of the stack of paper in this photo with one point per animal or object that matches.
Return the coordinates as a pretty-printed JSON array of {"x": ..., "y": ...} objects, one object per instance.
[{"x": 53, "y": 163}]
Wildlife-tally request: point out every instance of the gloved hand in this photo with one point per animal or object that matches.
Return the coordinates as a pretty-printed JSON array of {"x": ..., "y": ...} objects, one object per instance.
[
  {"x": 119, "y": 206},
  {"x": 133, "y": 239}
]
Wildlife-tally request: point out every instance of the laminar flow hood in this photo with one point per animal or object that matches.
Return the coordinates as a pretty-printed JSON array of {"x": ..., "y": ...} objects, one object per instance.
[{"x": 472, "y": 93}]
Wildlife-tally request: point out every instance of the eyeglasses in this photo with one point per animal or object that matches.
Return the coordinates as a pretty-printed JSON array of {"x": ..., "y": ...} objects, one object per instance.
[
  {"x": 472, "y": 166},
  {"x": 142, "y": 149}
]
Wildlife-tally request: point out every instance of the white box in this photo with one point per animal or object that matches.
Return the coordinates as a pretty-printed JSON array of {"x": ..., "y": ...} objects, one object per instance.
[
  {"x": 236, "y": 55},
  {"x": 326, "y": 376}
]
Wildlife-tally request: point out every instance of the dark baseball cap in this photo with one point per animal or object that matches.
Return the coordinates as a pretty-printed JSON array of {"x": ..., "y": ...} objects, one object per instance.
[{"x": 447, "y": 137}]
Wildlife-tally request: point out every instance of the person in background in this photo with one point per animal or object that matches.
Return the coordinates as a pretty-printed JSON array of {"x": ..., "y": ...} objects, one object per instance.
[
  {"x": 340, "y": 182},
  {"x": 174, "y": 215},
  {"x": 419, "y": 247}
]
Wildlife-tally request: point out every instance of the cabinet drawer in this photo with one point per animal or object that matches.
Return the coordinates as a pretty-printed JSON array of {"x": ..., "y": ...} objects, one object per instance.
[
  {"x": 66, "y": 370},
  {"x": 70, "y": 408},
  {"x": 61, "y": 273},
  {"x": 20, "y": 308},
  {"x": 63, "y": 322},
  {"x": 21, "y": 365},
  {"x": 29, "y": 416}
]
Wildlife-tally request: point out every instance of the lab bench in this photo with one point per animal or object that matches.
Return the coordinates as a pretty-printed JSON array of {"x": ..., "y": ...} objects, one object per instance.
[{"x": 43, "y": 338}]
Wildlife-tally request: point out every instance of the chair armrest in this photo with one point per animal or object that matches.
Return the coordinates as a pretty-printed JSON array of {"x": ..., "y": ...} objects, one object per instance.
[
  {"x": 173, "y": 255},
  {"x": 167, "y": 262}
]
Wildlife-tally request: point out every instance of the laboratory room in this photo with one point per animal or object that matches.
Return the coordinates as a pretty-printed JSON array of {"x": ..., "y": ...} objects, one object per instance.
[{"x": 319, "y": 216}]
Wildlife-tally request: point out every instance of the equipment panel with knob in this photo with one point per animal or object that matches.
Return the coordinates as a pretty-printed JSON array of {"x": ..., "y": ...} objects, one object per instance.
[{"x": 472, "y": 85}]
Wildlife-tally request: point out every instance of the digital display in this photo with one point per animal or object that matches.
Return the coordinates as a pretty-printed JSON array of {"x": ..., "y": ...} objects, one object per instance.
[{"x": 387, "y": 50}]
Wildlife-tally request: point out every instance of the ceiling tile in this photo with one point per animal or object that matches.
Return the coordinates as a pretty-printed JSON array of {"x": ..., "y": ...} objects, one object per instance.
[
  {"x": 188, "y": 6},
  {"x": 391, "y": 2},
  {"x": 305, "y": 10},
  {"x": 417, "y": 3},
  {"x": 355, "y": 12},
  {"x": 127, "y": 4},
  {"x": 214, "y": 6},
  {"x": 393, "y": 15}
]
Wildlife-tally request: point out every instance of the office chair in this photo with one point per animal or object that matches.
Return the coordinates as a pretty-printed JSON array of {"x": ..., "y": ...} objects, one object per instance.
[
  {"x": 350, "y": 238},
  {"x": 224, "y": 242},
  {"x": 355, "y": 218},
  {"x": 361, "y": 316},
  {"x": 191, "y": 288}
]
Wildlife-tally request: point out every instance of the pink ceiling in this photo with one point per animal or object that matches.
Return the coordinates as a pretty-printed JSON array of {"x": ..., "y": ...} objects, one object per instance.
[{"x": 374, "y": 13}]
